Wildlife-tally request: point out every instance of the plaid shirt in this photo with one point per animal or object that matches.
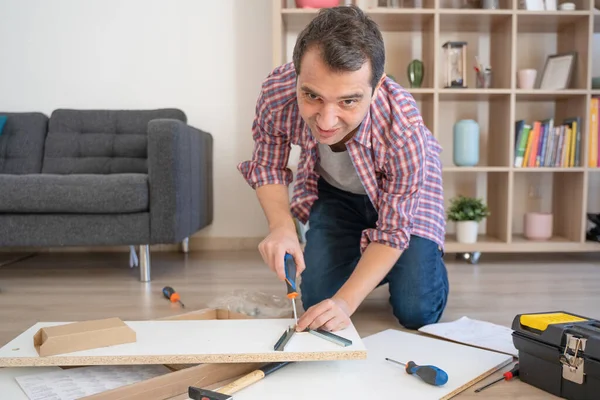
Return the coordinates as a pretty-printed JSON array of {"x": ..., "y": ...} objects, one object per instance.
[{"x": 396, "y": 157}]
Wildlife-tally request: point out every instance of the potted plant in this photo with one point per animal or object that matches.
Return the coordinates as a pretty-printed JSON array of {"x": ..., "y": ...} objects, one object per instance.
[{"x": 467, "y": 212}]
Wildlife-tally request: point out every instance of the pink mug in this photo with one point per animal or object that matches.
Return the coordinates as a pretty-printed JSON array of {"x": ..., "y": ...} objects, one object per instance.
[
  {"x": 526, "y": 78},
  {"x": 538, "y": 226}
]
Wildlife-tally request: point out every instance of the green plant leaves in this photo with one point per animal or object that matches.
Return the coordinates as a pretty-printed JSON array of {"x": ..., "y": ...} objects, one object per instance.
[{"x": 464, "y": 208}]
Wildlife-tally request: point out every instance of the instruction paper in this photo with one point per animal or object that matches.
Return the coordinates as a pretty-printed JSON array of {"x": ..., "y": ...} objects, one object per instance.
[
  {"x": 475, "y": 333},
  {"x": 75, "y": 383}
]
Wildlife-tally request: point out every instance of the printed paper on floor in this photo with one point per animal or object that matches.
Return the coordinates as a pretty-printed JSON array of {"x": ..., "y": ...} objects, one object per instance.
[
  {"x": 475, "y": 333},
  {"x": 74, "y": 383}
]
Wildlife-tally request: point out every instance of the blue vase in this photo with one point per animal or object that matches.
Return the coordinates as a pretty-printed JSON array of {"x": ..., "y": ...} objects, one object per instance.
[{"x": 466, "y": 143}]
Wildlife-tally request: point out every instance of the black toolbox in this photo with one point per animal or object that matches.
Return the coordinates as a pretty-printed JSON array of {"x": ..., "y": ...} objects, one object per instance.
[{"x": 559, "y": 352}]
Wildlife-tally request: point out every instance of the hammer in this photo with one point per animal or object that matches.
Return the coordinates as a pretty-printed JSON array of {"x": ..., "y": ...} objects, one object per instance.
[{"x": 226, "y": 391}]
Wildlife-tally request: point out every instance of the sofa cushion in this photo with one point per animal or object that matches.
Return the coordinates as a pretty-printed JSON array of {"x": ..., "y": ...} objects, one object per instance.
[
  {"x": 92, "y": 194},
  {"x": 22, "y": 143},
  {"x": 100, "y": 141}
]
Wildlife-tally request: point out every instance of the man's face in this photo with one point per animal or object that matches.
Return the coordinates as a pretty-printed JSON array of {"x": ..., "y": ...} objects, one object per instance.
[{"x": 333, "y": 104}]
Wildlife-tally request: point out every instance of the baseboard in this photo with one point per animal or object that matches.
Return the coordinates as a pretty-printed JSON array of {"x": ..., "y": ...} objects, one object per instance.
[
  {"x": 196, "y": 243},
  {"x": 208, "y": 243}
]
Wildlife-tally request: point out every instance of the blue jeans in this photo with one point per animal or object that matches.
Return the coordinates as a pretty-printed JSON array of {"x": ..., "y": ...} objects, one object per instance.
[{"x": 418, "y": 282}]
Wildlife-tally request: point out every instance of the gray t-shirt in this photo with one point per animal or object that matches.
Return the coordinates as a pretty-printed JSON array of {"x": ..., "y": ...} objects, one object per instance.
[{"x": 337, "y": 169}]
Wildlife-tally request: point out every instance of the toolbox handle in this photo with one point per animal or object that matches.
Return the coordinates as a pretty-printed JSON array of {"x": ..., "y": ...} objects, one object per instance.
[
  {"x": 593, "y": 328},
  {"x": 538, "y": 323}
]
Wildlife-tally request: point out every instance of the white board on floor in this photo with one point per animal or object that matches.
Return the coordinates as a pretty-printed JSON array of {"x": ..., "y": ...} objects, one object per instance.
[
  {"x": 191, "y": 342},
  {"x": 376, "y": 378}
]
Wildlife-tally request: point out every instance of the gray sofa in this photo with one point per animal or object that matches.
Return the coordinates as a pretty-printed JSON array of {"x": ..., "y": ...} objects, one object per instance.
[{"x": 104, "y": 178}]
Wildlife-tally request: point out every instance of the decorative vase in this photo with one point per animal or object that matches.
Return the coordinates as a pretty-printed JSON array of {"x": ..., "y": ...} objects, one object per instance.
[
  {"x": 415, "y": 71},
  {"x": 466, "y": 231},
  {"x": 466, "y": 143},
  {"x": 537, "y": 226}
]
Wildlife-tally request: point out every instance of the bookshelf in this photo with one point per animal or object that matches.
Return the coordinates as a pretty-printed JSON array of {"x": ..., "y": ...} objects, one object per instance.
[{"x": 508, "y": 39}]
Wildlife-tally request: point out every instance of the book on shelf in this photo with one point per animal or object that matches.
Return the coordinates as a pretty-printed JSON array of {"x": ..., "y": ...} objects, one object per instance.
[
  {"x": 593, "y": 141},
  {"x": 544, "y": 143}
]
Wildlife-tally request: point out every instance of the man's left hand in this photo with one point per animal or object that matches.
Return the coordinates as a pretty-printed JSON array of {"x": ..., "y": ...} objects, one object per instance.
[{"x": 330, "y": 315}]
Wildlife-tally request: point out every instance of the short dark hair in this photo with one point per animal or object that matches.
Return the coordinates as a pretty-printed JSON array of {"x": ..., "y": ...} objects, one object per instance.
[{"x": 347, "y": 38}]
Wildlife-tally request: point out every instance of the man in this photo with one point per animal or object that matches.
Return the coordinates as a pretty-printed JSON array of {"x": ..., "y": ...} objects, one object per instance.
[{"x": 368, "y": 182}]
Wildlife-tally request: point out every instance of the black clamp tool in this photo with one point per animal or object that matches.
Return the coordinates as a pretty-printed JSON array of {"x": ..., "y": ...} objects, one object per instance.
[
  {"x": 292, "y": 293},
  {"x": 226, "y": 391}
]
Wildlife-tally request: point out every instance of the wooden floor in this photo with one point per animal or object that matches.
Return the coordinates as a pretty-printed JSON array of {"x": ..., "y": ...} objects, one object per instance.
[{"x": 78, "y": 286}]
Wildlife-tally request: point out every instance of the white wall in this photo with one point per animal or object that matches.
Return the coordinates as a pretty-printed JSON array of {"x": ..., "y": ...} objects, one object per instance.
[{"x": 207, "y": 57}]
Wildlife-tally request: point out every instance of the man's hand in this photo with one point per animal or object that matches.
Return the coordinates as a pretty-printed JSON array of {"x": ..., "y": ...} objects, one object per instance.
[
  {"x": 282, "y": 237},
  {"x": 274, "y": 247},
  {"x": 330, "y": 315},
  {"x": 334, "y": 314}
]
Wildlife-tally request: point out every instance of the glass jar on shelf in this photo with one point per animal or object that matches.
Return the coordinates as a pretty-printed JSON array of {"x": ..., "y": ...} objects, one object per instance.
[{"x": 456, "y": 60}]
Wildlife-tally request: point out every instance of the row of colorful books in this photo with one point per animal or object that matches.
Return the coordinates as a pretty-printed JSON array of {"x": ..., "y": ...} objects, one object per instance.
[
  {"x": 593, "y": 141},
  {"x": 545, "y": 143}
]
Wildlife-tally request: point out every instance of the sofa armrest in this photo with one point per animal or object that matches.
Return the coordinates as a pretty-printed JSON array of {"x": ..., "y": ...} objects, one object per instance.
[{"x": 180, "y": 175}]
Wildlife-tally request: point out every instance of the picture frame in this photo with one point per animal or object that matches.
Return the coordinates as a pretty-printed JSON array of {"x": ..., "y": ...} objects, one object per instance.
[{"x": 558, "y": 71}]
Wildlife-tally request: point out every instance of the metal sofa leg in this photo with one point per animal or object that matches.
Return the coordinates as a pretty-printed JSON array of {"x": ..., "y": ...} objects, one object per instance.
[
  {"x": 145, "y": 263},
  {"x": 185, "y": 245}
]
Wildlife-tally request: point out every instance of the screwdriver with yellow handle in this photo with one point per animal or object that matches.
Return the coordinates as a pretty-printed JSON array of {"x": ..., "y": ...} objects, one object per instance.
[
  {"x": 430, "y": 374},
  {"x": 290, "y": 281}
]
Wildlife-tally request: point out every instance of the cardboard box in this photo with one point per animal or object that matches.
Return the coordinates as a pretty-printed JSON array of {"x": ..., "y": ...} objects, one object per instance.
[
  {"x": 175, "y": 384},
  {"x": 83, "y": 335},
  {"x": 207, "y": 314}
]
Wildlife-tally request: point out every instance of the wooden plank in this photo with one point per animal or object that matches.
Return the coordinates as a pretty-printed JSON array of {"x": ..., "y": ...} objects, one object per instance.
[
  {"x": 188, "y": 341},
  {"x": 167, "y": 386},
  {"x": 376, "y": 378}
]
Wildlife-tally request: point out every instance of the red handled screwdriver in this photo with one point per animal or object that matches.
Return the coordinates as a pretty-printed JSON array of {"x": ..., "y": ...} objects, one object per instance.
[{"x": 506, "y": 376}]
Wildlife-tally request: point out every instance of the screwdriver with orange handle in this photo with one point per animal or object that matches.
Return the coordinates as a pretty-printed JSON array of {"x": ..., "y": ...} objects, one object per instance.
[
  {"x": 290, "y": 281},
  {"x": 172, "y": 295}
]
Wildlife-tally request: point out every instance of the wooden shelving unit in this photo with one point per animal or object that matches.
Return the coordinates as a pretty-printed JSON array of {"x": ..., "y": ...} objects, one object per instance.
[{"x": 507, "y": 39}]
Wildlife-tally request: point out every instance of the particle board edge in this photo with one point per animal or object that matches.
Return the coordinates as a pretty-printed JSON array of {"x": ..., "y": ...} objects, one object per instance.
[
  {"x": 183, "y": 359},
  {"x": 481, "y": 377}
]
